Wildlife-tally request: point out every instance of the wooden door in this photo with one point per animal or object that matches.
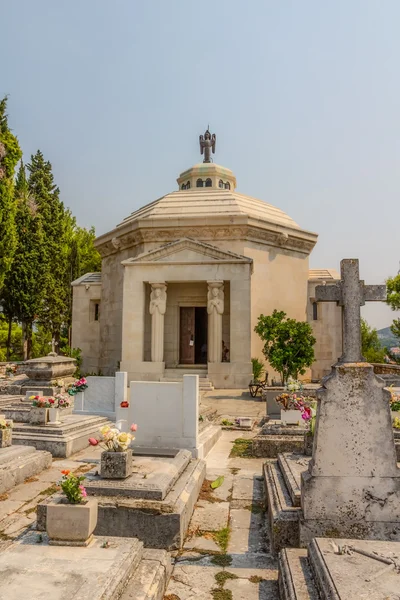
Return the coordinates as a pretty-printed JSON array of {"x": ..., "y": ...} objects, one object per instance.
[{"x": 187, "y": 331}]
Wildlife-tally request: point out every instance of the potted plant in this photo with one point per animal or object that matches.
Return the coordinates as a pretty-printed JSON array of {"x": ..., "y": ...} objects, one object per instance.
[
  {"x": 80, "y": 385},
  {"x": 292, "y": 402},
  {"x": 58, "y": 404},
  {"x": 116, "y": 460},
  {"x": 39, "y": 413},
  {"x": 71, "y": 518},
  {"x": 5, "y": 433},
  {"x": 394, "y": 405}
]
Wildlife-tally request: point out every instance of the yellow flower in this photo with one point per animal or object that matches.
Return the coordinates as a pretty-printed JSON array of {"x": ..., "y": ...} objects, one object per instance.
[
  {"x": 31, "y": 397},
  {"x": 104, "y": 430}
]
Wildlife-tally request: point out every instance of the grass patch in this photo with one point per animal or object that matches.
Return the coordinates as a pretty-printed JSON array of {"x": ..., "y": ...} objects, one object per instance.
[
  {"x": 235, "y": 470},
  {"x": 206, "y": 492},
  {"x": 221, "y": 594},
  {"x": 222, "y": 577},
  {"x": 242, "y": 448},
  {"x": 227, "y": 423},
  {"x": 50, "y": 490},
  {"x": 222, "y": 538},
  {"x": 222, "y": 560},
  {"x": 256, "y": 579},
  {"x": 30, "y": 510}
]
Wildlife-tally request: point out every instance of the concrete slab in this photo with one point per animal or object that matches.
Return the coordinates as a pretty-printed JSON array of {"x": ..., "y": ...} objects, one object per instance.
[
  {"x": 60, "y": 440},
  {"x": 210, "y": 516},
  {"x": 18, "y": 463},
  {"x": 152, "y": 478},
  {"x": 205, "y": 544},
  {"x": 242, "y": 541},
  {"x": 151, "y": 577},
  {"x": 244, "y": 589},
  {"x": 241, "y": 518},
  {"x": 58, "y": 572},
  {"x": 158, "y": 523},
  {"x": 292, "y": 466},
  {"x": 246, "y": 491}
]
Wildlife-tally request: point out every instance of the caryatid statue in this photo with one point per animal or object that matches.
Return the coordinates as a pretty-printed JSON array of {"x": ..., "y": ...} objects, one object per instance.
[
  {"x": 157, "y": 308},
  {"x": 207, "y": 143},
  {"x": 215, "y": 309}
]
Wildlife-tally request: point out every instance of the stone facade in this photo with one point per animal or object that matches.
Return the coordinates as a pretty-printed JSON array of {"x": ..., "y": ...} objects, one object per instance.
[{"x": 185, "y": 240}]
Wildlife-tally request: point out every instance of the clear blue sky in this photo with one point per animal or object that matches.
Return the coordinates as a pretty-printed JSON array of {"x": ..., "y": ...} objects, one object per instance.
[{"x": 303, "y": 96}]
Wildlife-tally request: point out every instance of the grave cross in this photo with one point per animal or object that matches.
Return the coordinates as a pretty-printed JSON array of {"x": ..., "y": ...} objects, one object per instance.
[{"x": 351, "y": 293}]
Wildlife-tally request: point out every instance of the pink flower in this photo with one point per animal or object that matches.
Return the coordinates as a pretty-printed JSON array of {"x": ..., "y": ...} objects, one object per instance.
[
  {"x": 83, "y": 491},
  {"x": 93, "y": 441},
  {"x": 133, "y": 427}
]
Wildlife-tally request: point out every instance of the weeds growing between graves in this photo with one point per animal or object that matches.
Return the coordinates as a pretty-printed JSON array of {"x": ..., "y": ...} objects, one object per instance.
[{"x": 242, "y": 448}]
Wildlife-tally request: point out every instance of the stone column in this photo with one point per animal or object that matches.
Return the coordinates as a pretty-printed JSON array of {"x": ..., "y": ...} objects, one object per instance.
[
  {"x": 157, "y": 308},
  {"x": 215, "y": 309}
]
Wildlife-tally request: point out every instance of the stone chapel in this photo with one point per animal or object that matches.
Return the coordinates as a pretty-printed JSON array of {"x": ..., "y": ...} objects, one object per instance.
[{"x": 185, "y": 278}]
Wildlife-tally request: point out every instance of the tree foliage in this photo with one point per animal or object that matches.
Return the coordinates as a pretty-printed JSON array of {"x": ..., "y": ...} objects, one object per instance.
[
  {"x": 393, "y": 299},
  {"x": 10, "y": 154},
  {"x": 289, "y": 344},
  {"x": 371, "y": 347}
]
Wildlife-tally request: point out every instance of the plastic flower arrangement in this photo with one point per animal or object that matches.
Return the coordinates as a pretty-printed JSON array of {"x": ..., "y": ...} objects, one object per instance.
[
  {"x": 61, "y": 401},
  {"x": 309, "y": 414},
  {"x": 394, "y": 401},
  {"x": 41, "y": 402},
  {"x": 114, "y": 440},
  {"x": 78, "y": 386},
  {"x": 72, "y": 487},
  {"x": 293, "y": 399},
  {"x": 396, "y": 423},
  {"x": 4, "y": 424}
]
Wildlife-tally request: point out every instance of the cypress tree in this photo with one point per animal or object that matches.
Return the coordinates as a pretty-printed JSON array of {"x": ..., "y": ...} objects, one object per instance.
[
  {"x": 22, "y": 295},
  {"x": 55, "y": 250},
  {"x": 10, "y": 154}
]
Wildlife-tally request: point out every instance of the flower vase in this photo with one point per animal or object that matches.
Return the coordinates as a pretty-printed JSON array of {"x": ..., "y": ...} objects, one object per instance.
[
  {"x": 290, "y": 417},
  {"x": 54, "y": 415},
  {"x": 5, "y": 437},
  {"x": 116, "y": 465},
  {"x": 71, "y": 524},
  {"x": 38, "y": 416}
]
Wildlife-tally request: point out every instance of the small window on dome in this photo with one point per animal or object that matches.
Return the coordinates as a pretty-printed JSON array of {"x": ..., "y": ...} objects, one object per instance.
[
  {"x": 208, "y": 183},
  {"x": 199, "y": 183},
  {"x": 188, "y": 185},
  {"x": 220, "y": 183},
  {"x": 228, "y": 186},
  {"x": 183, "y": 187}
]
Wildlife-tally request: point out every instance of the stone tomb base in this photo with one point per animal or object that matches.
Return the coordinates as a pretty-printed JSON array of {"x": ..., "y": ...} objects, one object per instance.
[
  {"x": 365, "y": 571},
  {"x": 62, "y": 440},
  {"x": 17, "y": 463},
  {"x": 108, "y": 568},
  {"x": 154, "y": 504},
  {"x": 276, "y": 438},
  {"x": 282, "y": 480}
]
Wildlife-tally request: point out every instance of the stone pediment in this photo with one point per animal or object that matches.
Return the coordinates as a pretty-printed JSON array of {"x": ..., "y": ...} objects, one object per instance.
[{"x": 189, "y": 251}]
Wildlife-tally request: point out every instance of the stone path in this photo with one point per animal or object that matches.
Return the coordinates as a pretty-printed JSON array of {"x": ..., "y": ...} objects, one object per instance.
[{"x": 226, "y": 555}]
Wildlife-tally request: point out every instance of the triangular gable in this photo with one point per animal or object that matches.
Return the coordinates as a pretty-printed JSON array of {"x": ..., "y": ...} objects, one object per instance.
[{"x": 188, "y": 250}]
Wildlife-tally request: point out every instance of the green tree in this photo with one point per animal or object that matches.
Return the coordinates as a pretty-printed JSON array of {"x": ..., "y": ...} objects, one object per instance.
[
  {"x": 289, "y": 344},
  {"x": 55, "y": 250},
  {"x": 22, "y": 293},
  {"x": 371, "y": 347},
  {"x": 10, "y": 154},
  {"x": 10, "y": 345},
  {"x": 393, "y": 299}
]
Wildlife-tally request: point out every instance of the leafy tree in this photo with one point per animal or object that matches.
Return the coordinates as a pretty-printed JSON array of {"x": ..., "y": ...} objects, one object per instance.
[
  {"x": 371, "y": 347},
  {"x": 10, "y": 154},
  {"x": 10, "y": 345},
  {"x": 55, "y": 221},
  {"x": 22, "y": 293},
  {"x": 393, "y": 299},
  {"x": 289, "y": 344}
]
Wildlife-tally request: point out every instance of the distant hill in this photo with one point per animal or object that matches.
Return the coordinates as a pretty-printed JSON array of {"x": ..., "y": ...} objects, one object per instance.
[{"x": 387, "y": 339}]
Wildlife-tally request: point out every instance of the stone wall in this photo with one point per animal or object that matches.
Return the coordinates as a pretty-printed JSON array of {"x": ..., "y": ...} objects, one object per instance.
[{"x": 86, "y": 330}]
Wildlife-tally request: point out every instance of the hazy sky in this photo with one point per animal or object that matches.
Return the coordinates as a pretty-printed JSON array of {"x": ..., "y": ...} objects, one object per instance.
[{"x": 303, "y": 95}]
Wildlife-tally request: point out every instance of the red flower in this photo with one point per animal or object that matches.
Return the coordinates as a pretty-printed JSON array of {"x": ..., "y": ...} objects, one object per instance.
[
  {"x": 66, "y": 472},
  {"x": 133, "y": 427},
  {"x": 51, "y": 401},
  {"x": 93, "y": 441}
]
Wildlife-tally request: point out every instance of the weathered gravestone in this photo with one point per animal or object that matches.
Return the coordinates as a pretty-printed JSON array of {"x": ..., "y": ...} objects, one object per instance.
[{"x": 352, "y": 485}]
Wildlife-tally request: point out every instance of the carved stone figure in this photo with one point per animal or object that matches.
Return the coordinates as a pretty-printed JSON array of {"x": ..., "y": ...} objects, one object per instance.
[
  {"x": 207, "y": 144},
  {"x": 157, "y": 308},
  {"x": 215, "y": 309}
]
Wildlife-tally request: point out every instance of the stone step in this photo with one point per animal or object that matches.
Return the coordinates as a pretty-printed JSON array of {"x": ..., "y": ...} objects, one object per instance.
[
  {"x": 17, "y": 463},
  {"x": 291, "y": 466},
  {"x": 208, "y": 437},
  {"x": 283, "y": 516},
  {"x": 295, "y": 576},
  {"x": 150, "y": 580}
]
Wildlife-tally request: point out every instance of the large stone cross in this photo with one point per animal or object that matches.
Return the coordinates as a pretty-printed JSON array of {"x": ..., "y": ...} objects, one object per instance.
[{"x": 351, "y": 293}]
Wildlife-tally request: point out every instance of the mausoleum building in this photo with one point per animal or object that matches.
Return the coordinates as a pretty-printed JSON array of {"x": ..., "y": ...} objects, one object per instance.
[{"x": 185, "y": 278}]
